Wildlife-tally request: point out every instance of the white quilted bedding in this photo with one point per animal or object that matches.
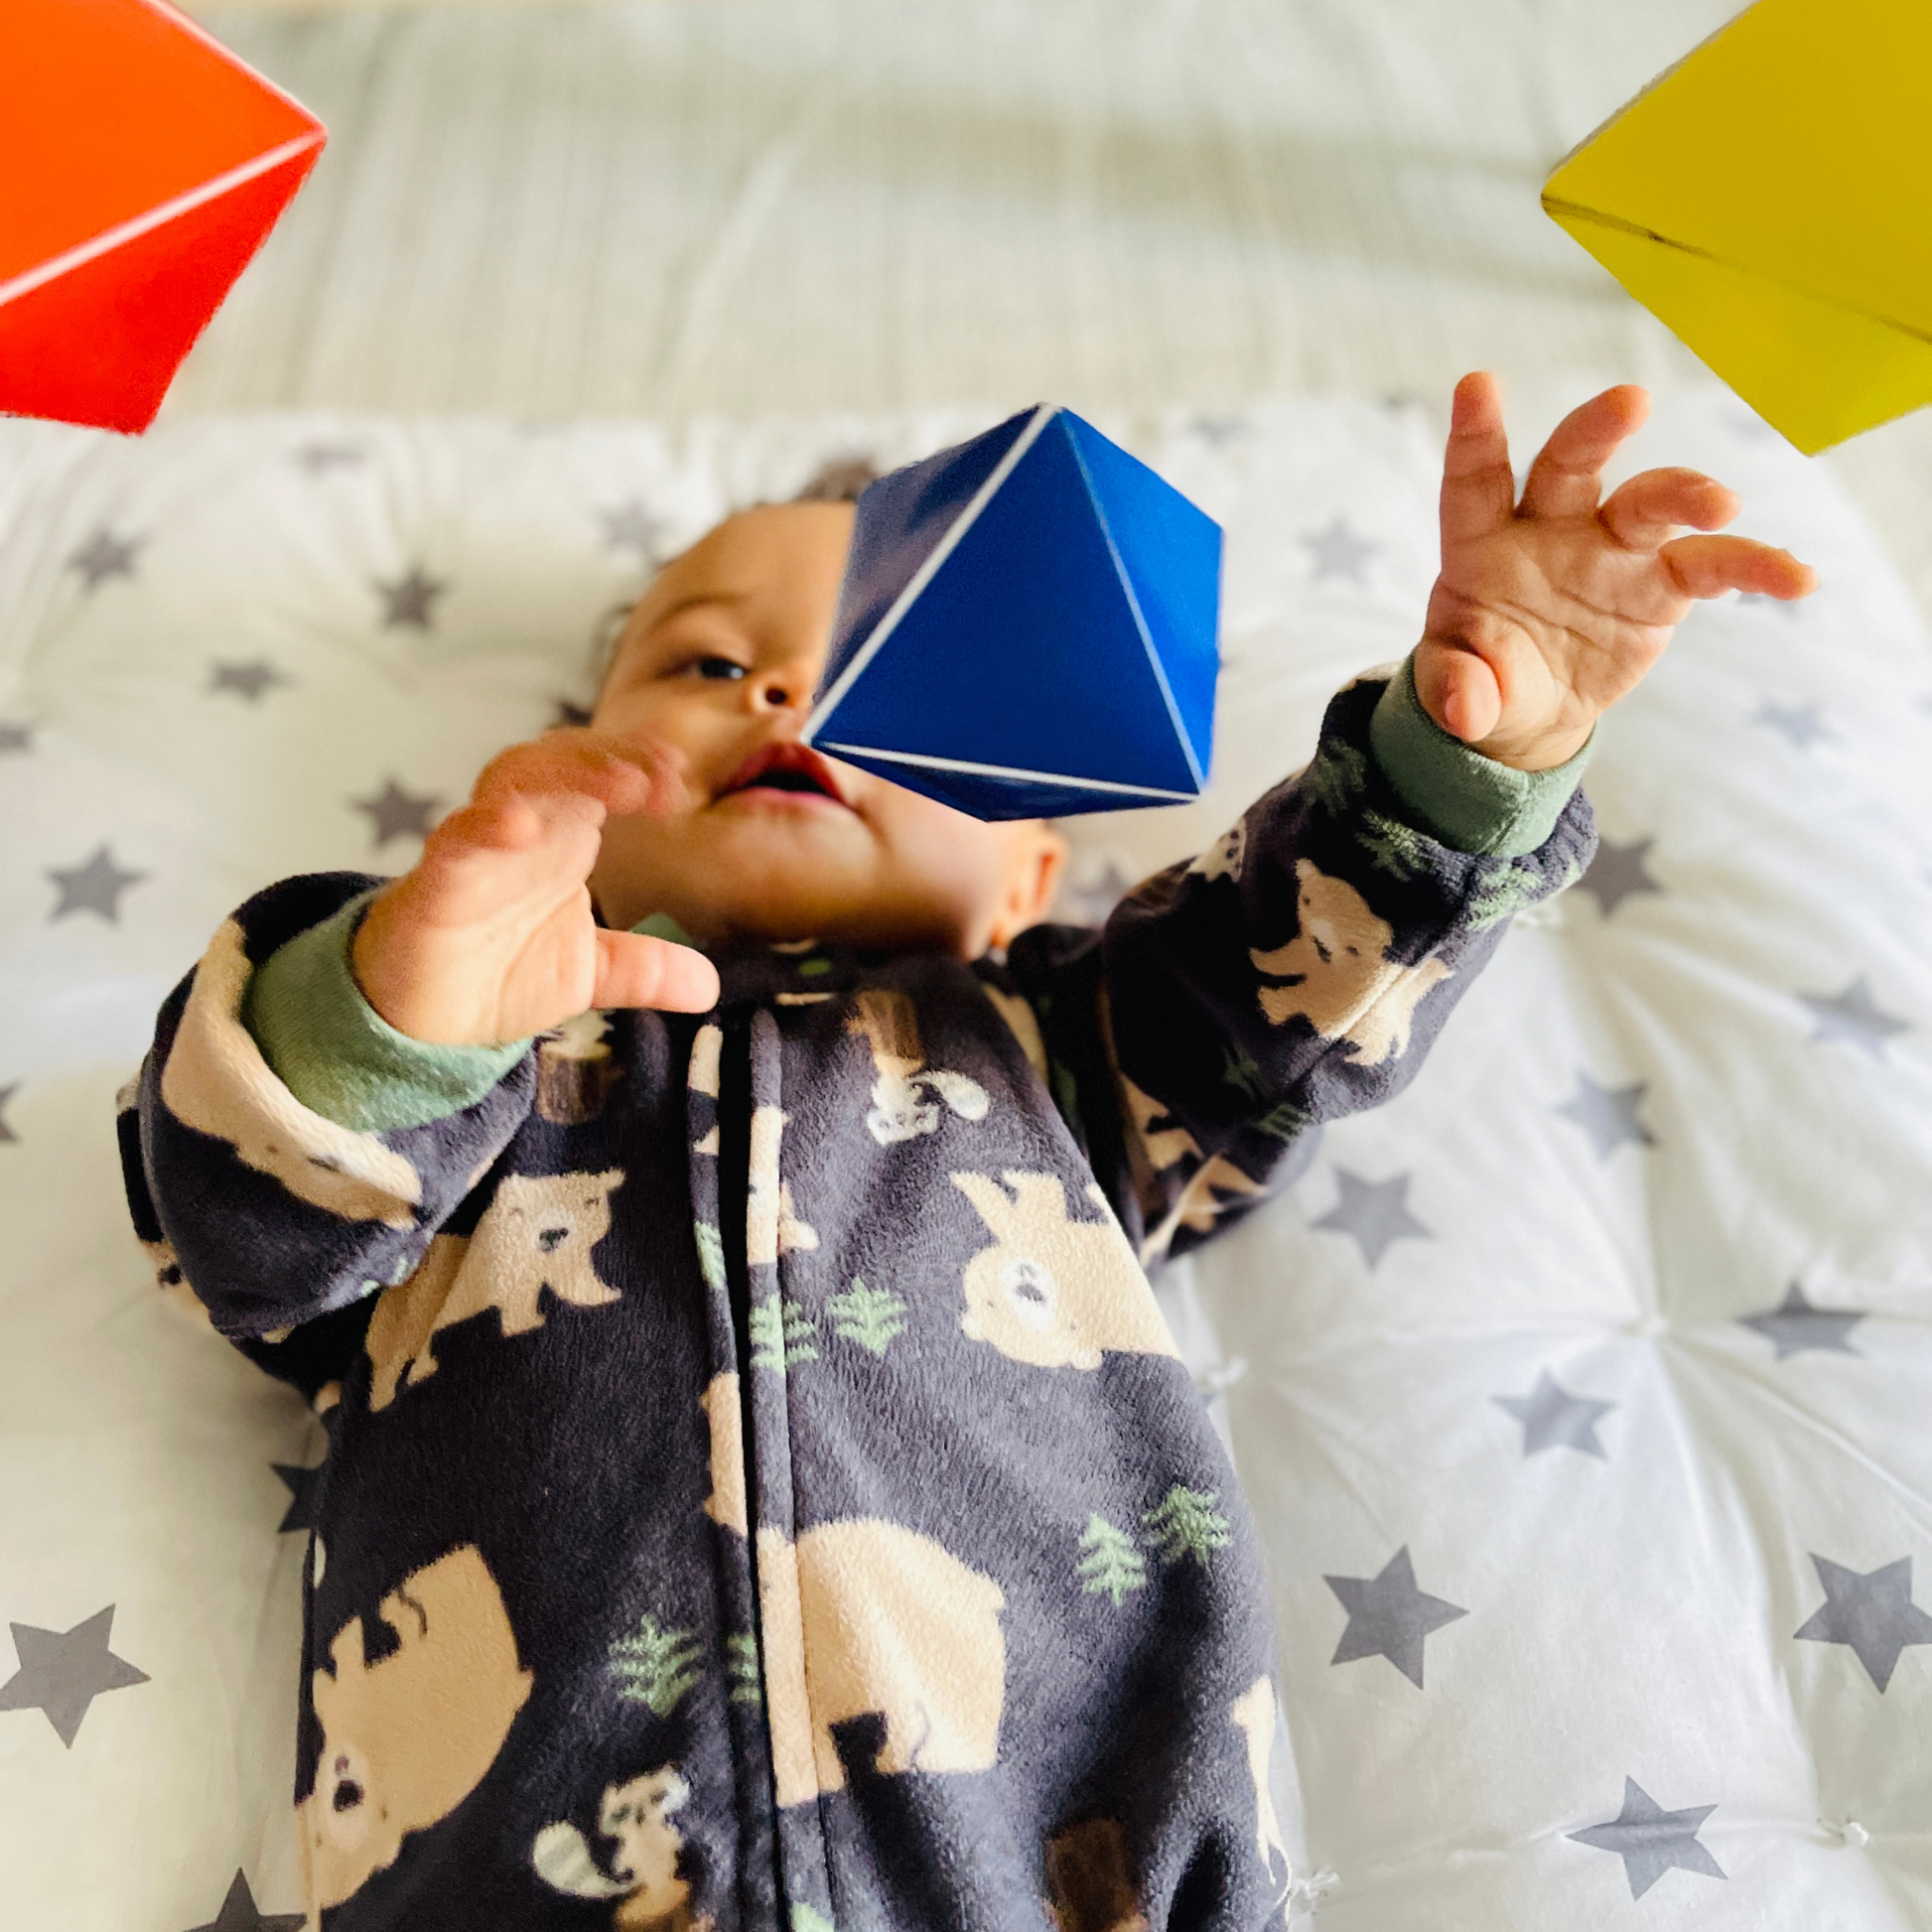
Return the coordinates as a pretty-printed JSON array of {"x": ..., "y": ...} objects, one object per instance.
[{"x": 1581, "y": 1393}]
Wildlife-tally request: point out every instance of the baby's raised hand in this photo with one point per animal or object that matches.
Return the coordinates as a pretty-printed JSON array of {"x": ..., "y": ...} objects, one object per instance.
[
  {"x": 1547, "y": 610},
  {"x": 491, "y": 935}
]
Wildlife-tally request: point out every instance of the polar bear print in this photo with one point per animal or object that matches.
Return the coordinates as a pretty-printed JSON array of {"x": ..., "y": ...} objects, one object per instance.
[
  {"x": 176, "y": 1288},
  {"x": 902, "y": 1109},
  {"x": 1051, "y": 1291},
  {"x": 866, "y": 1617},
  {"x": 1253, "y": 1715},
  {"x": 1226, "y": 856},
  {"x": 217, "y": 1082},
  {"x": 575, "y": 1070},
  {"x": 727, "y": 1505},
  {"x": 1024, "y": 1024},
  {"x": 771, "y": 1228},
  {"x": 537, "y": 1232},
  {"x": 407, "y": 1739},
  {"x": 1339, "y": 976},
  {"x": 642, "y": 1877}
]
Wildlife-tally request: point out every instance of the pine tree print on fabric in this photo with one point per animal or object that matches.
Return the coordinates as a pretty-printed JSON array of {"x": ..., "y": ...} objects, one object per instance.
[
  {"x": 1241, "y": 1073},
  {"x": 1185, "y": 1523},
  {"x": 873, "y": 1318},
  {"x": 1109, "y": 1565},
  {"x": 655, "y": 1667},
  {"x": 1339, "y": 773},
  {"x": 1505, "y": 892},
  {"x": 1282, "y": 1120},
  {"x": 781, "y": 1334},
  {"x": 1393, "y": 847},
  {"x": 711, "y": 1256},
  {"x": 742, "y": 1668}
]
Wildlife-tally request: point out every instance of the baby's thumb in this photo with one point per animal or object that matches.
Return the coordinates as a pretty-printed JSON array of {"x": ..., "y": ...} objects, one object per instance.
[
  {"x": 1457, "y": 689},
  {"x": 635, "y": 970}
]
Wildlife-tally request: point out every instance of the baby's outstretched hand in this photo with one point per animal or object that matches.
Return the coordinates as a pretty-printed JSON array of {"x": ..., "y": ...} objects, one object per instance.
[
  {"x": 492, "y": 936},
  {"x": 1547, "y": 610}
]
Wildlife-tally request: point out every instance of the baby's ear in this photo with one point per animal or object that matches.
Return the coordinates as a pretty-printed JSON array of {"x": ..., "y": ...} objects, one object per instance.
[{"x": 1038, "y": 857}]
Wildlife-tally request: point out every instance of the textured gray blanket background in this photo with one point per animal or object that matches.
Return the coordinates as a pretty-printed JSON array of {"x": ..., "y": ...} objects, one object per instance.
[{"x": 679, "y": 208}]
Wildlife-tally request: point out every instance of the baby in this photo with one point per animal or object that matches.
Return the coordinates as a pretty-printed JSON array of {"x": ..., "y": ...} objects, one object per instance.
[{"x": 709, "y": 1210}]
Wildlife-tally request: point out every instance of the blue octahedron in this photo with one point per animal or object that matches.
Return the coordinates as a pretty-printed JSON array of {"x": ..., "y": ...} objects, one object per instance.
[{"x": 1026, "y": 628}]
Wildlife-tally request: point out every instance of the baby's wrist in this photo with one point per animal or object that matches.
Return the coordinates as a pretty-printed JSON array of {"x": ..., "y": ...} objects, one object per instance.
[{"x": 1543, "y": 753}]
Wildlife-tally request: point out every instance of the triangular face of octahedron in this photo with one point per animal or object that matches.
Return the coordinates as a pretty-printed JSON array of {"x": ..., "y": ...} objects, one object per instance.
[{"x": 1053, "y": 651}]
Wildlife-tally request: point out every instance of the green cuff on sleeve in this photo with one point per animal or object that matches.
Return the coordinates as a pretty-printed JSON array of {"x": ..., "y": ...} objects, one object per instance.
[
  {"x": 1467, "y": 800},
  {"x": 340, "y": 1057}
]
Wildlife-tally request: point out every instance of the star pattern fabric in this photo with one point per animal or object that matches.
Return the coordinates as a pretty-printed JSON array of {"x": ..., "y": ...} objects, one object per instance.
[
  {"x": 1388, "y": 1616},
  {"x": 94, "y": 886},
  {"x": 1375, "y": 1214},
  {"x": 1870, "y": 1611},
  {"x": 399, "y": 815},
  {"x": 631, "y": 526},
  {"x": 1337, "y": 551},
  {"x": 1609, "y": 1115},
  {"x": 1795, "y": 1325},
  {"x": 1618, "y": 873},
  {"x": 104, "y": 556},
  {"x": 1852, "y": 1015},
  {"x": 305, "y": 1493},
  {"x": 1652, "y": 1841},
  {"x": 61, "y": 1672},
  {"x": 238, "y": 1913},
  {"x": 1552, "y": 1418},
  {"x": 251, "y": 682},
  {"x": 1800, "y": 725},
  {"x": 410, "y": 601}
]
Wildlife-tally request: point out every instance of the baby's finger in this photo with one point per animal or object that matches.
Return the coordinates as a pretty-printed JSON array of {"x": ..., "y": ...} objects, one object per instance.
[
  {"x": 634, "y": 971},
  {"x": 583, "y": 763},
  {"x": 1478, "y": 488},
  {"x": 508, "y": 824},
  {"x": 1710, "y": 566},
  {"x": 1642, "y": 514},
  {"x": 1566, "y": 478}
]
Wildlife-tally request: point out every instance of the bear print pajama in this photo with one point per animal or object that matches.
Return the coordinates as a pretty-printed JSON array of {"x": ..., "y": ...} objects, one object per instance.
[{"x": 762, "y": 1494}]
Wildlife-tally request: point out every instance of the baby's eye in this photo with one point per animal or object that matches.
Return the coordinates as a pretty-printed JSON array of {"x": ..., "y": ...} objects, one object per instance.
[{"x": 725, "y": 669}]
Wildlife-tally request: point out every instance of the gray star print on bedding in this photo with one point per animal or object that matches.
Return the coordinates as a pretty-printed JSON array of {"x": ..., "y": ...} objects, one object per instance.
[{"x": 1630, "y": 1616}]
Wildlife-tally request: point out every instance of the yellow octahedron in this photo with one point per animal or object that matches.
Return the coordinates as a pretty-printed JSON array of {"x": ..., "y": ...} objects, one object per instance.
[{"x": 1767, "y": 198}]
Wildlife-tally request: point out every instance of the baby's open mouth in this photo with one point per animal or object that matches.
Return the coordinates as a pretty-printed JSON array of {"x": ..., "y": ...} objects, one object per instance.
[{"x": 788, "y": 767}]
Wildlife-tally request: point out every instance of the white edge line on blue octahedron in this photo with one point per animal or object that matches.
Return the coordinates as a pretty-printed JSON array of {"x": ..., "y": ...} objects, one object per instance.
[
  {"x": 925, "y": 575},
  {"x": 1009, "y": 772},
  {"x": 1099, "y": 504}
]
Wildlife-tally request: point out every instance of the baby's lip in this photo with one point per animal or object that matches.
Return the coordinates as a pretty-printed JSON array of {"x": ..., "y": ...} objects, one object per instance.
[{"x": 783, "y": 764}]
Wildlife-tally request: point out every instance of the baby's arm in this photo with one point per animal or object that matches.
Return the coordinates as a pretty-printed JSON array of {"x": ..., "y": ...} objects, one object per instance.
[
  {"x": 1299, "y": 970},
  {"x": 297, "y": 1144}
]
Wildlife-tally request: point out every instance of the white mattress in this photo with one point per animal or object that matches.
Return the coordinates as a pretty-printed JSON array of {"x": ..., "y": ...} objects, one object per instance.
[{"x": 1697, "y": 1085}]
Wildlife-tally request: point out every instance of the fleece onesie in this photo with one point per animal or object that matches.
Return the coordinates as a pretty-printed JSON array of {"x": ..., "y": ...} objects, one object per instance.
[{"x": 762, "y": 1494}]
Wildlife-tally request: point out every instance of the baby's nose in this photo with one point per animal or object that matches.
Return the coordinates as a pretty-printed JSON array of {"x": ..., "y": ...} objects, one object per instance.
[{"x": 780, "y": 691}]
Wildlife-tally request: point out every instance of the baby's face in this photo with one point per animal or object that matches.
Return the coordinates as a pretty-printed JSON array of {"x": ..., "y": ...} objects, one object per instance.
[{"x": 774, "y": 842}]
